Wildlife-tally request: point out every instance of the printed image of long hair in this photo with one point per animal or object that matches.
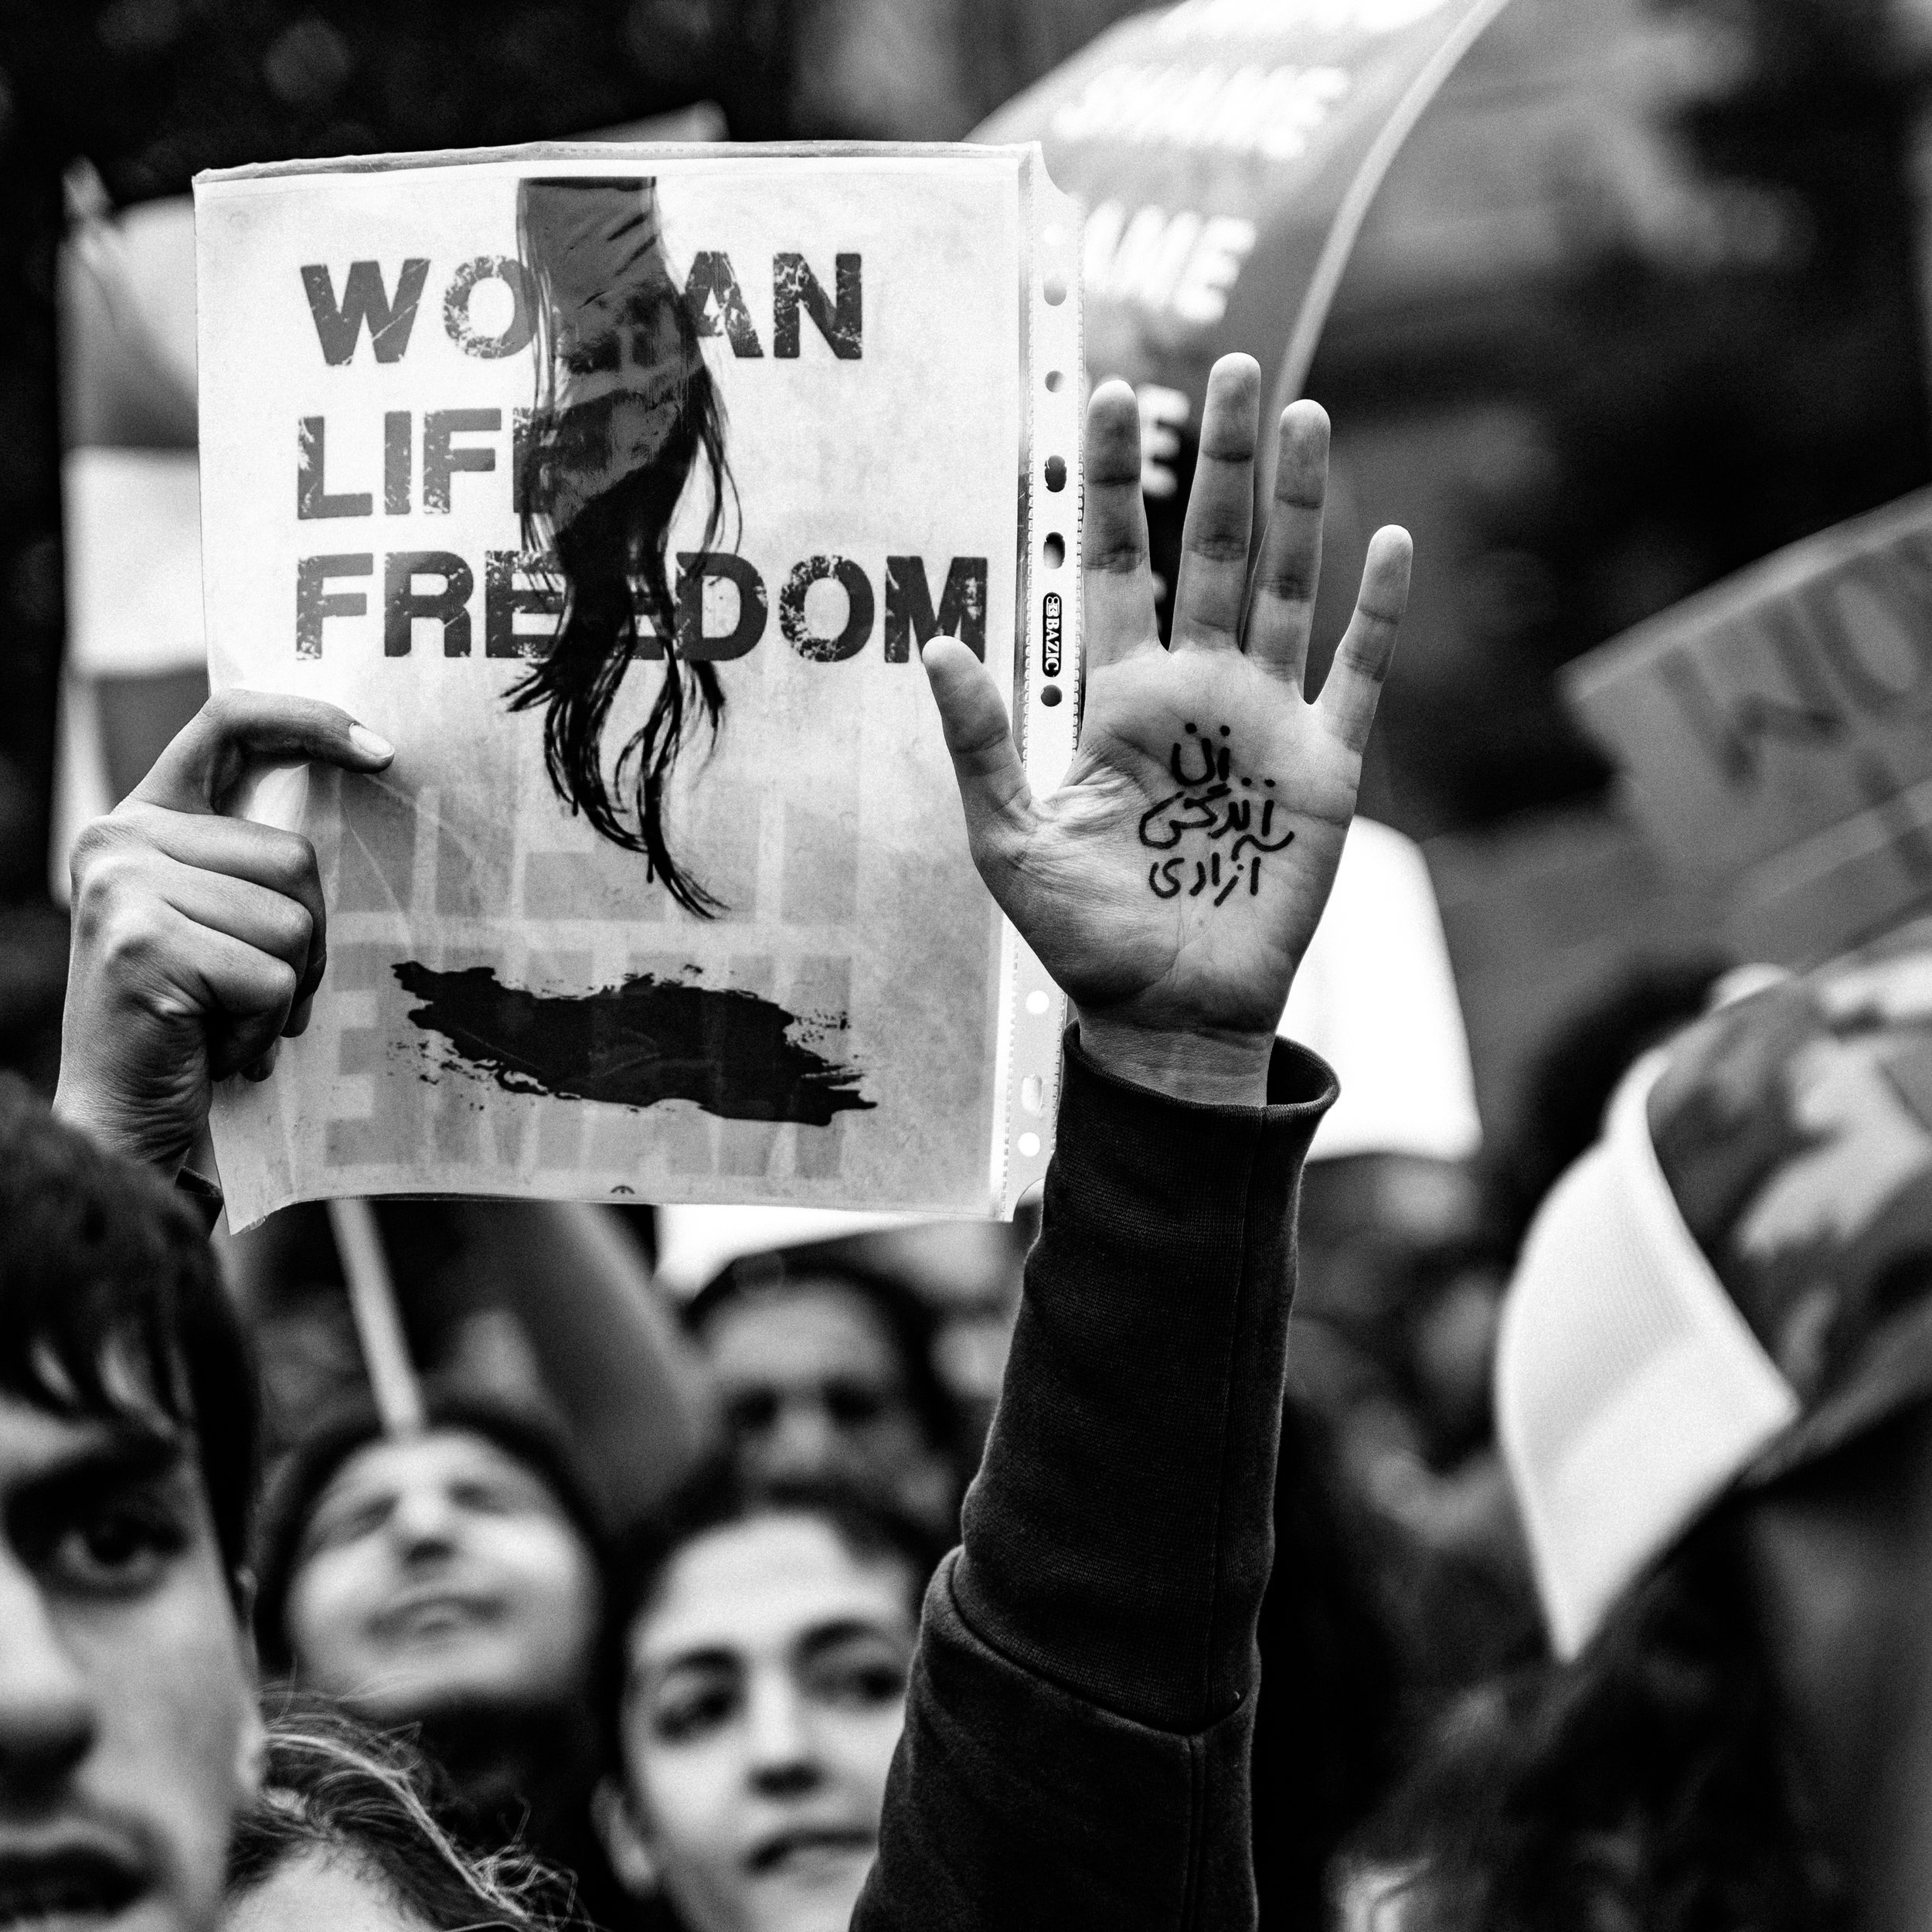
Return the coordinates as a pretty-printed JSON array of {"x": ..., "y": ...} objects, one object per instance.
[{"x": 625, "y": 409}]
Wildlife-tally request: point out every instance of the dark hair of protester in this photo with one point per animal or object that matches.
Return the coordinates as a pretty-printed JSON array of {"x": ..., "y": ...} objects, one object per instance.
[
  {"x": 1571, "y": 1079},
  {"x": 1641, "y": 1788},
  {"x": 626, "y": 410},
  {"x": 110, "y": 1305},
  {"x": 333, "y": 1789},
  {"x": 908, "y": 1320},
  {"x": 717, "y": 1496}
]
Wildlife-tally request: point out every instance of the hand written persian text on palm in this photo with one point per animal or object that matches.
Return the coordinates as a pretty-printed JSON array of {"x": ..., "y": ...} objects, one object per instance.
[{"x": 1228, "y": 817}]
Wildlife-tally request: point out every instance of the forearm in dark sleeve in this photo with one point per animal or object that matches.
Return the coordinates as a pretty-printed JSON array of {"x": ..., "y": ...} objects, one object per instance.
[{"x": 1076, "y": 1741}]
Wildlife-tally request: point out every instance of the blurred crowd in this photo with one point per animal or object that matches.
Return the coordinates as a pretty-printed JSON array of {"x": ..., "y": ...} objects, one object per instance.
[{"x": 1599, "y": 1544}]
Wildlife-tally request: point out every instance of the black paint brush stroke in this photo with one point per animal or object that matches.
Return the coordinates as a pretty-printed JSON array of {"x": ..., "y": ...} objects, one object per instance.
[{"x": 634, "y": 1044}]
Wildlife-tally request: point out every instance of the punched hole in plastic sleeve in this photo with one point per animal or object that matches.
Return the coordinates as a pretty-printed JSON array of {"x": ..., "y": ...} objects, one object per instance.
[{"x": 1048, "y": 678}]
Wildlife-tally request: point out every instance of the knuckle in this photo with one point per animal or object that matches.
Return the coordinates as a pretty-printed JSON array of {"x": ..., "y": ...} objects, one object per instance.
[
  {"x": 1120, "y": 557},
  {"x": 100, "y": 837},
  {"x": 294, "y": 927},
  {"x": 1218, "y": 546},
  {"x": 107, "y": 859},
  {"x": 1291, "y": 586},
  {"x": 1365, "y": 661},
  {"x": 127, "y": 938},
  {"x": 224, "y": 708},
  {"x": 1299, "y": 495},
  {"x": 236, "y": 705},
  {"x": 291, "y": 861}
]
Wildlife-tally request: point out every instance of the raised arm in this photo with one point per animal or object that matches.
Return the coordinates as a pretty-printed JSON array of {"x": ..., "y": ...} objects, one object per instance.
[{"x": 1077, "y": 1735}]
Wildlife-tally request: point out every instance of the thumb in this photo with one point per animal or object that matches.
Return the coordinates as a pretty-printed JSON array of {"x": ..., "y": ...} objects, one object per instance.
[
  {"x": 236, "y": 731},
  {"x": 992, "y": 783}
]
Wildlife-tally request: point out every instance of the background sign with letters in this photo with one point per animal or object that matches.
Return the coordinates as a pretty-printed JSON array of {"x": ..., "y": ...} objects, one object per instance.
[{"x": 1776, "y": 731}]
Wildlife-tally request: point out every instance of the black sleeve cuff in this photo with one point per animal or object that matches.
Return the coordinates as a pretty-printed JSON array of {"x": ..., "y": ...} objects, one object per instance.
[{"x": 201, "y": 1194}]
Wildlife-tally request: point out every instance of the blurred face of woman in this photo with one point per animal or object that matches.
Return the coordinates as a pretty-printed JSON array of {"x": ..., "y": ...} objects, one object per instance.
[
  {"x": 440, "y": 1574},
  {"x": 766, "y": 1692}
]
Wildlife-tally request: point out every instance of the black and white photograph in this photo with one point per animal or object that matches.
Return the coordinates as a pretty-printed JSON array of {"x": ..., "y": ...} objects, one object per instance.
[{"x": 966, "y": 966}]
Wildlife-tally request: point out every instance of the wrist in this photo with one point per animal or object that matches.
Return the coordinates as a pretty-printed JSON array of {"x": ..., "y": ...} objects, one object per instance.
[
  {"x": 1207, "y": 1066},
  {"x": 109, "y": 1129}
]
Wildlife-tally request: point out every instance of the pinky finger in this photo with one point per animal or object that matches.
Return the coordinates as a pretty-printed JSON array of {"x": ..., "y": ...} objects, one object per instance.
[{"x": 1353, "y": 686}]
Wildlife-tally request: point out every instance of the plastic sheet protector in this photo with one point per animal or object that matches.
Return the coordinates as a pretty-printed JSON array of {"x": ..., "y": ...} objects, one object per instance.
[{"x": 618, "y": 487}]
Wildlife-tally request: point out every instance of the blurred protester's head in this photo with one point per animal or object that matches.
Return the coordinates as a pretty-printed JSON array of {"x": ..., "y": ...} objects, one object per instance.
[
  {"x": 346, "y": 1836},
  {"x": 128, "y": 1733},
  {"x": 825, "y": 1373},
  {"x": 422, "y": 1578},
  {"x": 1569, "y": 1084},
  {"x": 1712, "y": 1395},
  {"x": 768, "y": 1642},
  {"x": 1401, "y": 1276}
]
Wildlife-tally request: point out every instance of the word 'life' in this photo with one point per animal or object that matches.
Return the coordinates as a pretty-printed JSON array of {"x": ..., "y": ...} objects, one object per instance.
[{"x": 1210, "y": 806}]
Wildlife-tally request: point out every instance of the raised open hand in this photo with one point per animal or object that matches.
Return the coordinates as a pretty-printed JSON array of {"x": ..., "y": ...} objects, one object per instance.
[{"x": 1172, "y": 883}]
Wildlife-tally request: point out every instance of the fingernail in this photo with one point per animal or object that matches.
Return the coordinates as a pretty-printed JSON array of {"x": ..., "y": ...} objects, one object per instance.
[{"x": 366, "y": 742}]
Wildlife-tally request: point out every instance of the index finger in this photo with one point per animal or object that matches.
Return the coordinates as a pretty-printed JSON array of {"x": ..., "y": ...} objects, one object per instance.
[
  {"x": 1117, "y": 581},
  {"x": 236, "y": 732}
]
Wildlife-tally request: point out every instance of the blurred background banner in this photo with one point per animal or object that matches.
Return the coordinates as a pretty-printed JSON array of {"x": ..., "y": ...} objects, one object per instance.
[
  {"x": 130, "y": 500},
  {"x": 1225, "y": 152},
  {"x": 1375, "y": 996},
  {"x": 1774, "y": 732}
]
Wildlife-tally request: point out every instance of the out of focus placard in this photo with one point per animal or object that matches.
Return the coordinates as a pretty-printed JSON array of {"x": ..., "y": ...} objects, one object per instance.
[
  {"x": 618, "y": 487},
  {"x": 1225, "y": 152},
  {"x": 1776, "y": 731}
]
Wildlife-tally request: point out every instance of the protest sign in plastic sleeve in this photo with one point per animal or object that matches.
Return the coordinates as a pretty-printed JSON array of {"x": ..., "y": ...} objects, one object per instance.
[
  {"x": 1772, "y": 734},
  {"x": 619, "y": 487}
]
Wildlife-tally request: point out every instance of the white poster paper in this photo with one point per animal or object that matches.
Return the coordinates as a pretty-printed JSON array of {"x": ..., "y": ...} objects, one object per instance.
[{"x": 618, "y": 487}]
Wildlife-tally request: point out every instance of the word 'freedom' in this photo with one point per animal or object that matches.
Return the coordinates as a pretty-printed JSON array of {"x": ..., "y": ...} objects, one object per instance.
[{"x": 523, "y": 597}]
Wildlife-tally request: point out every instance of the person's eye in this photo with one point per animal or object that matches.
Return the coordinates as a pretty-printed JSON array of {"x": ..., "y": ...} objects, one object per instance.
[
  {"x": 336, "y": 1529},
  {"x": 852, "y": 1403},
  {"x": 859, "y": 1679},
  {"x": 752, "y": 1411},
  {"x": 487, "y": 1499},
  {"x": 121, "y": 1546},
  {"x": 686, "y": 1712}
]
